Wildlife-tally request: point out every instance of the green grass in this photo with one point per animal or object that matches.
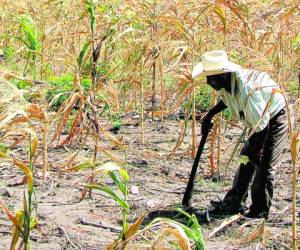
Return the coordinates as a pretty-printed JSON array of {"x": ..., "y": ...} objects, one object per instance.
[
  {"x": 212, "y": 185},
  {"x": 21, "y": 84},
  {"x": 58, "y": 85},
  {"x": 203, "y": 97},
  {"x": 292, "y": 87},
  {"x": 116, "y": 121},
  {"x": 9, "y": 53},
  {"x": 62, "y": 85}
]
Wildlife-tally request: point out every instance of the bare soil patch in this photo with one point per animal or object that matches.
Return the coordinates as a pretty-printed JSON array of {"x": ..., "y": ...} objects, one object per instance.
[{"x": 67, "y": 223}]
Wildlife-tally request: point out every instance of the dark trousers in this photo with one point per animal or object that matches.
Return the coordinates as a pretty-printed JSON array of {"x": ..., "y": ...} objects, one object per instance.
[{"x": 264, "y": 150}]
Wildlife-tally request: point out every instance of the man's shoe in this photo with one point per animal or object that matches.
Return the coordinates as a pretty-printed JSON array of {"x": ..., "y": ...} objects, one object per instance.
[
  {"x": 224, "y": 208},
  {"x": 255, "y": 215}
]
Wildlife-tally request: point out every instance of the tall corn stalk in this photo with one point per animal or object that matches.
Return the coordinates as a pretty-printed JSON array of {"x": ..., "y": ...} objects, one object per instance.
[
  {"x": 91, "y": 9},
  {"x": 96, "y": 49},
  {"x": 162, "y": 89},
  {"x": 295, "y": 145},
  {"x": 45, "y": 145},
  {"x": 294, "y": 150},
  {"x": 154, "y": 55},
  {"x": 142, "y": 100},
  {"x": 194, "y": 141},
  {"x": 31, "y": 39}
]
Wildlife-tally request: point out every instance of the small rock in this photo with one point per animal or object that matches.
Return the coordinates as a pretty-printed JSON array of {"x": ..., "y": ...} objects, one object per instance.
[
  {"x": 180, "y": 175},
  {"x": 151, "y": 204},
  {"x": 138, "y": 162},
  {"x": 162, "y": 129},
  {"x": 50, "y": 193},
  {"x": 47, "y": 175},
  {"x": 5, "y": 192},
  {"x": 229, "y": 136},
  {"x": 165, "y": 170},
  {"x": 134, "y": 190}
]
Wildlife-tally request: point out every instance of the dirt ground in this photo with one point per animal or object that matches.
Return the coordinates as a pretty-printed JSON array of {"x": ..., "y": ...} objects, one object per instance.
[{"x": 67, "y": 223}]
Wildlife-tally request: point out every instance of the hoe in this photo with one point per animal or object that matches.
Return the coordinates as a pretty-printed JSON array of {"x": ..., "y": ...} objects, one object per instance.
[
  {"x": 202, "y": 216},
  {"x": 186, "y": 201}
]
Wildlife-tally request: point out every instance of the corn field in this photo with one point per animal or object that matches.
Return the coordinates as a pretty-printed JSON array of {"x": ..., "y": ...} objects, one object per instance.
[{"x": 100, "y": 121}]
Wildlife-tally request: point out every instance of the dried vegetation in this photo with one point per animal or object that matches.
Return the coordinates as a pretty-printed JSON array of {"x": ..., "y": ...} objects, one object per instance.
[{"x": 127, "y": 57}]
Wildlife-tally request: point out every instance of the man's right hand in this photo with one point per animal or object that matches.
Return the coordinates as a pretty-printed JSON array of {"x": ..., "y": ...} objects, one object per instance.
[
  {"x": 207, "y": 119},
  {"x": 206, "y": 124}
]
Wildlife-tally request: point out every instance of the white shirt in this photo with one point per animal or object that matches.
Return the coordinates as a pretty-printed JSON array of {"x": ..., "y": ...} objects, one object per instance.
[{"x": 256, "y": 95}]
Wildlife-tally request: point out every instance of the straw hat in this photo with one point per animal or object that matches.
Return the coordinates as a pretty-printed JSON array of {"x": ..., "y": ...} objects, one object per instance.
[{"x": 214, "y": 63}]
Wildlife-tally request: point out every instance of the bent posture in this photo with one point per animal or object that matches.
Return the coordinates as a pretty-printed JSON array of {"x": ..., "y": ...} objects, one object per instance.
[{"x": 256, "y": 99}]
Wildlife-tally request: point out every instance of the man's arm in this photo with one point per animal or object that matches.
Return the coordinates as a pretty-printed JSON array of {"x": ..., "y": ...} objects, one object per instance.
[
  {"x": 207, "y": 124},
  {"x": 220, "y": 106}
]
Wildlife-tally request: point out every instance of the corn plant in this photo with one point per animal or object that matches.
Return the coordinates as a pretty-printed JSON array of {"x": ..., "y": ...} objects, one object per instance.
[
  {"x": 168, "y": 228},
  {"x": 163, "y": 233},
  {"x": 31, "y": 39},
  {"x": 121, "y": 183},
  {"x": 294, "y": 145},
  {"x": 294, "y": 150},
  {"x": 182, "y": 233},
  {"x": 17, "y": 120},
  {"x": 23, "y": 221}
]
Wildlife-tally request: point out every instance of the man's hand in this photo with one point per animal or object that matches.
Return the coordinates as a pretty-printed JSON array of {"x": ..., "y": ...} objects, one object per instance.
[
  {"x": 207, "y": 119},
  {"x": 206, "y": 123}
]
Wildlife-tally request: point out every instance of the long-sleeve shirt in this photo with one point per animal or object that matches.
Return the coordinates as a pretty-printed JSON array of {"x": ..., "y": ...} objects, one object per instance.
[{"x": 255, "y": 95}]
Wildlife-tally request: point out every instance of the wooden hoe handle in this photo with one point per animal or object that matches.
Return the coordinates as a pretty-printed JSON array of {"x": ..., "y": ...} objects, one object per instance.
[{"x": 186, "y": 202}]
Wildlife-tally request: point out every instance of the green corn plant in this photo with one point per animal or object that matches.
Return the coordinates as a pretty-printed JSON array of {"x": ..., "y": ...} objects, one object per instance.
[
  {"x": 23, "y": 221},
  {"x": 31, "y": 39},
  {"x": 193, "y": 230},
  {"x": 121, "y": 180},
  {"x": 21, "y": 113},
  {"x": 168, "y": 234},
  {"x": 182, "y": 233},
  {"x": 162, "y": 233},
  {"x": 171, "y": 228},
  {"x": 12, "y": 118}
]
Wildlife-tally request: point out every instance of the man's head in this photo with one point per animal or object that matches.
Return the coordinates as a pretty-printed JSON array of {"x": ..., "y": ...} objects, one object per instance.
[{"x": 220, "y": 81}]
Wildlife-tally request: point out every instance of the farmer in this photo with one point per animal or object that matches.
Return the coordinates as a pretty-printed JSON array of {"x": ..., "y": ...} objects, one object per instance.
[{"x": 256, "y": 99}]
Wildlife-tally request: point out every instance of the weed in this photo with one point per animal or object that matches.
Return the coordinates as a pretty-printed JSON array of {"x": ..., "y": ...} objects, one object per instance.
[
  {"x": 20, "y": 84},
  {"x": 292, "y": 87},
  {"x": 9, "y": 53},
  {"x": 60, "y": 88},
  {"x": 116, "y": 122},
  {"x": 203, "y": 97}
]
